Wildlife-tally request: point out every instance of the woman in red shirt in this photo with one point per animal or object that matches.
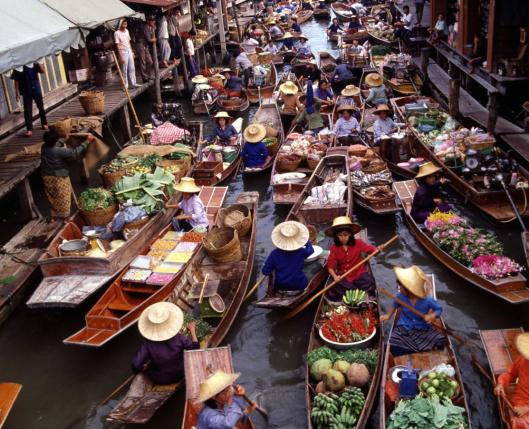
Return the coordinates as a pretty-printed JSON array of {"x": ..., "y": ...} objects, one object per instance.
[{"x": 345, "y": 253}]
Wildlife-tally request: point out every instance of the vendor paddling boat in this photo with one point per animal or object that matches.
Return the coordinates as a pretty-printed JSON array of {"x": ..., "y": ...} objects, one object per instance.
[
  {"x": 133, "y": 291},
  {"x": 8, "y": 395},
  {"x": 287, "y": 118},
  {"x": 512, "y": 288},
  {"x": 257, "y": 90},
  {"x": 424, "y": 362},
  {"x": 227, "y": 281}
]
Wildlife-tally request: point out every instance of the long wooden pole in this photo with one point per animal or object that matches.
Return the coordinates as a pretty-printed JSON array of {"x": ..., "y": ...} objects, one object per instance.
[
  {"x": 254, "y": 288},
  {"x": 257, "y": 407},
  {"x": 344, "y": 275}
]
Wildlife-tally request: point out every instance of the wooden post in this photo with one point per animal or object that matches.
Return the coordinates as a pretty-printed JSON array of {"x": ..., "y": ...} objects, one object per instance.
[
  {"x": 176, "y": 87},
  {"x": 492, "y": 107},
  {"x": 425, "y": 59},
  {"x": 125, "y": 122},
  {"x": 28, "y": 208},
  {"x": 453, "y": 97},
  {"x": 220, "y": 18},
  {"x": 183, "y": 55},
  {"x": 157, "y": 87}
]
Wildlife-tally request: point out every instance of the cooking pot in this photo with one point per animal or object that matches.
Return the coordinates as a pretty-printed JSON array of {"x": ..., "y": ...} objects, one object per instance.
[{"x": 73, "y": 247}]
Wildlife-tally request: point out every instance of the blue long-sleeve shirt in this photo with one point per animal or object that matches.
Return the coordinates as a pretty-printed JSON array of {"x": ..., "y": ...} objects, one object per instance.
[
  {"x": 287, "y": 267},
  {"x": 296, "y": 27},
  {"x": 288, "y": 43},
  {"x": 223, "y": 134},
  {"x": 254, "y": 154},
  {"x": 409, "y": 320},
  {"x": 341, "y": 73},
  {"x": 225, "y": 418},
  {"x": 234, "y": 83}
]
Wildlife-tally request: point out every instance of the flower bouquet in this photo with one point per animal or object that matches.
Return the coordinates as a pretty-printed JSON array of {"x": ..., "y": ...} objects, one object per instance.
[{"x": 494, "y": 266}]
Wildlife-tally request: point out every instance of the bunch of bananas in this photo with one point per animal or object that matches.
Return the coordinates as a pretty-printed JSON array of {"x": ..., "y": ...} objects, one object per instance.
[
  {"x": 355, "y": 297},
  {"x": 352, "y": 399},
  {"x": 324, "y": 410}
]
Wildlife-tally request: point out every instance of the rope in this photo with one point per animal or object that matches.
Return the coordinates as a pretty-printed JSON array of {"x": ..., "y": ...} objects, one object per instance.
[{"x": 17, "y": 259}]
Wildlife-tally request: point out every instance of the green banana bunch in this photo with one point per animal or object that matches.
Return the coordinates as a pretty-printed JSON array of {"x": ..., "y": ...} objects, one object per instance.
[{"x": 354, "y": 297}]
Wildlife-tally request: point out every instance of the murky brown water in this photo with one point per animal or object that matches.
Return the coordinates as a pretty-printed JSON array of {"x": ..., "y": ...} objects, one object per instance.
[{"x": 63, "y": 384}]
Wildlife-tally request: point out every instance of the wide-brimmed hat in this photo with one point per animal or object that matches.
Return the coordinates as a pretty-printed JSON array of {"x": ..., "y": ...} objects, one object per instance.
[
  {"x": 226, "y": 70},
  {"x": 350, "y": 91},
  {"x": 199, "y": 79},
  {"x": 270, "y": 20},
  {"x": 287, "y": 35},
  {"x": 222, "y": 115},
  {"x": 219, "y": 76},
  {"x": 161, "y": 321},
  {"x": 289, "y": 87},
  {"x": 290, "y": 235},
  {"x": 215, "y": 384},
  {"x": 187, "y": 184},
  {"x": 343, "y": 107},
  {"x": 254, "y": 133},
  {"x": 203, "y": 86},
  {"x": 522, "y": 344},
  {"x": 302, "y": 36},
  {"x": 343, "y": 222},
  {"x": 413, "y": 279},
  {"x": 374, "y": 79},
  {"x": 427, "y": 169},
  {"x": 381, "y": 108}
]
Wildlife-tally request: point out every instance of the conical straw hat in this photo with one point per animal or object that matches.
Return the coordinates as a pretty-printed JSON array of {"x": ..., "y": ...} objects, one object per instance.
[
  {"x": 161, "y": 321},
  {"x": 287, "y": 35},
  {"x": 374, "y": 79},
  {"x": 290, "y": 235},
  {"x": 381, "y": 108},
  {"x": 254, "y": 133},
  {"x": 522, "y": 344},
  {"x": 413, "y": 279},
  {"x": 427, "y": 169},
  {"x": 215, "y": 384},
  {"x": 343, "y": 222},
  {"x": 199, "y": 79},
  {"x": 289, "y": 87},
  {"x": 350, "y": 91},
  {"x": 222, "y": 115},
  {"x": 187, "y": 184},
  {"x": 343, "y": 107}
]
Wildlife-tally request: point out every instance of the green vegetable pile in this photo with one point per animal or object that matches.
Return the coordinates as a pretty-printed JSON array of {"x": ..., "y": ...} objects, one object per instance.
[
  {"x": 368, "y": 357},
  {"x": 96, "y": 198},
  {"x": 147, "y": 190},
  {"x": 120, "y": 164},
  {"x": 427, "y": 413},
  {"x": 338, "y": 412},
  {"x": 149, "y": 160},
  {"x": 438, "y": 383},
  {"x": 203, "y": 328}
]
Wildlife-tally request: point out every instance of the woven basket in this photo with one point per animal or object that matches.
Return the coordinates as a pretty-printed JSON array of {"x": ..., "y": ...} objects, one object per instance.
[
  {"x": 223, "y": 245},
  {"x": 93, "y": 101},
  {"x": 357, "y": 150},
  {"x": 273, "y": 147},
  {"x": 184, "y": 163},
  {"x": 99, "y": 217},
  {"x": 271, "y": 131},
  {"x": 135, "y": 225},
  {"x": 265, "y": 58},
  {"x": 238, "y": 217},
  {"x": 110, "y": 179},
  {"x": 289, "y": 164},
  {"x": 312, "y": 163},
  {"x": 375, "y": 166},
  {"x": 62, "y": 128}
]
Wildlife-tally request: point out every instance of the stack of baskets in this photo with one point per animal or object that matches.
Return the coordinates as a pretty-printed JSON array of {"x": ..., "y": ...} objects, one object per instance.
[
  {"x": 222, "y": 245},
  {"x": 99, "y": 217},
  {"x": 93, "y": 101},
  {"x": 238, "y": 217},
  {"x": 289, "y": 162}
]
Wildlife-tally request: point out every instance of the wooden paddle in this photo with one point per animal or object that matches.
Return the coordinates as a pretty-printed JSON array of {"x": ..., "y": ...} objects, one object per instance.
[
  {"x": 122, "y": 385},
  {"x": 344, "y": 275},
  {"x": 254, "y": 288},
  {"x": 257, "y": 407},
  {"x": 202, "y": 289}
]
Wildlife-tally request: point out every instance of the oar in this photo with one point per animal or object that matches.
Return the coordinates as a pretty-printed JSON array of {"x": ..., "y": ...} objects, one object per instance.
[
  {"x": 334, "y": 283},
  {"x": 254, "y": 288},
  {"x": 203, "y": 288},
  {"x": 257, "y": 407},
  {"x": 122, "y": 385}
]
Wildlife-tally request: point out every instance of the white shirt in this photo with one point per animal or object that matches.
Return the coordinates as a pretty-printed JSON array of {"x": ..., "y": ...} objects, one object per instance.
[
  {"x": 272, "y": 48},
  {"x": 249, "y": 45},
  {"x": 163, "y": 33},
  {"x": 242, "y": 61},
  {"x": 122, "y": 39},
  {"x": 407, "y": 20},
  {"x": 190, "y": 48}
]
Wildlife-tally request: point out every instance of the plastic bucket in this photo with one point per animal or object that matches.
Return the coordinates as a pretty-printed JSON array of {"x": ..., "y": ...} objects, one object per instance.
[{"x": 229, "y": 155}]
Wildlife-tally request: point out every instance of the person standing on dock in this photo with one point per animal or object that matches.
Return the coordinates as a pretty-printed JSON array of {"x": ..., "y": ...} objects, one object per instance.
[
  {"x": 419, "y": 10},
  {"x": 174, "y": 38},
  {"x": 146, "y": 39},
  {"x": 125, "y": 55},
  {"x": 27, "y": 84},
  {"x": 163, "y": 41},
  {"x": 189, "y": 50}
]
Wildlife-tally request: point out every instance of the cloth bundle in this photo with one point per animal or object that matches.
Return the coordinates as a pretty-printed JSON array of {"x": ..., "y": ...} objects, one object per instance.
[
  {"x": 359, "y": 179},
  {"x": 329, "y": 193}
]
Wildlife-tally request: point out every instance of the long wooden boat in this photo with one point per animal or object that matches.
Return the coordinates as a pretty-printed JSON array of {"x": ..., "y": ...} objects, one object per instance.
[
  {"x": 203, "y": 107},
  {"x": 232, "y": 279},
  {"x": 493, "y": 202},
  {"x": 316, "y": 218},
  {"x": 232, "y": 105},
  {"x": 371, "y": 391},
  {"x": 422, "y": 361},
  {"x": 256, "y": 94},
  {"x": 327, "y": 65},
  {"x": 8, "y": 395},
  {"x": 204, "y": 176},
  {"x": 199, "y": 365},
  {"x": 320, "y": 13},
  {"x": 501, "y": 353},
  {"x": 379, "y": 39},
  {"x": 123, "y": 302},
  {"x": 304, "y": 15},
  {"x": 342, "y": 11},
  {"x": 512, "y": 289}
]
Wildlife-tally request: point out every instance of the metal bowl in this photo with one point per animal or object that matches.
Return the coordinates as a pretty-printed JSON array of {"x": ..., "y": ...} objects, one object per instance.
[{"x": 73, "y": 247}]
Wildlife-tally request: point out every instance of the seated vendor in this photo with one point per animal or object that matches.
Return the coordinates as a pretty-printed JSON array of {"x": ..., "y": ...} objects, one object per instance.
[
  {"x": 325, "y": 93},
  {"x": 233, "y": 84},
  {"x": 517, "y": 372},
  {"x": 193, "y": 212},
  {"x": 224, "y": 132},
  {"x": 311, "y": 116},
  {"x": 288, "y": 94},
  {"x": 274, "y": 31},
  {"x": 303, "y": 47},
  {"x": 342, "y": 72},
  {"x": 295, "y": 26},
  {"x": 286, "y": 261},
  {"x": 346, "y": 125},
  {"x": 271, "y": 47},
  {"x": 377, "y": 90},
  {"x": 335, "y": 27},
  {"x": 161, "y": 354},
  {"x": 414, "y": 334},
  {"x": 384, "y": 125},
  {"x": 254, "y": 153},
  {"x": 354, "y": 24},
  {"x": 288, "y": 41},
  {"x": 427, "y": 197},
  {"x": 344, "y": 254}
]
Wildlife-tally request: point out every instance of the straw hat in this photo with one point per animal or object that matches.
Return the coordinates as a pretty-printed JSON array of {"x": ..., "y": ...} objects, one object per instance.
[
  {"x": 271, "y": 20},
  {"x": 289, "y": 87},
  {"x": 342, "y": 222},
  {"x": 381, "y": 108},
  {"x": 522, "y": 344},
  {"x": 254, "y": 133},
  {"x": 199, "y": 79},
  {"x": 290, "y": 235},
  {"x": 161, "y": 321},
  {"x": 427, "y": 169},
  {"x": 288, "y": 35},
  {"x": 219, "y": 76},
  {"x": 215, "y": 384},
  {"x": 203, "y": 86},
  {"x": 226, "y": 70},
  {"x": 374, "y": 79},
  {"x": 413, "y": 279},
  {"x": 348, "y": 107},
  {"x": 302, "y": 36},
  {"x": 187, "y": 184},
  {"x": 350, "y": 91},
  {"x": 222, "y": 115}
]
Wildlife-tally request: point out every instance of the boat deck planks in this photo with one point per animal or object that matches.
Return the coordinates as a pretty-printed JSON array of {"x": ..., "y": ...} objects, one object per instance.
[{"x": 8, "y": 395}]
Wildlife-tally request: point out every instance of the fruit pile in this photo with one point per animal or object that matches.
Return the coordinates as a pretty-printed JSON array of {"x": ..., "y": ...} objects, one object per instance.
[
  {"x": 338, "y": 412},
  {"x": 440, "y": 384}
]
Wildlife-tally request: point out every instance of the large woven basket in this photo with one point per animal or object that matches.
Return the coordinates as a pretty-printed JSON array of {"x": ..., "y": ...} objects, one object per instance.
[
  {"x": 184, "y": 164},
  {"x": 312, "y": 163},
  {"x": 273, "y": 146},
  {"x": 288, "y": 163},
  {"x": 62, "y": 128},
  {"x": 110, "y": 179},
  {"x": 93, "y": 101},
  {"x": 238, "y": 217},
  {"x": 223, "y": 245},
  {"x": 99, "y": 217},
  {"x": 135, "y": 225}
]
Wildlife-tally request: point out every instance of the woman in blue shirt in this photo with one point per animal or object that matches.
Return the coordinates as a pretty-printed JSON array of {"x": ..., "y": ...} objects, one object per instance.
[
  {"x": 254, "y": 153},
  {"x": 414, "y": 334},
  {"x": 225, "y": 133},
  {"x": 288, "y": 41},
  {"x": 286, "y": 262},
  {"x": 295, "y": 26}
]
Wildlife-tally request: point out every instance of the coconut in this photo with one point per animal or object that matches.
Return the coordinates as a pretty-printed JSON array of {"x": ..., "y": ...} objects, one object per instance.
[
  {"x": 334, "y": 380},
  {"x": 342, "y": 366},
  {"x": 320, "y": 387},
  {"x": 319, "y": 368},
  {"x": 358, "y": 375}
]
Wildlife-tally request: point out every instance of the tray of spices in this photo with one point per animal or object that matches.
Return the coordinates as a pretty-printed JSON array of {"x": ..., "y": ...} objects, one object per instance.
[
  {"x": 135, "y": 275},
  {"x": 160, "y": 279}
]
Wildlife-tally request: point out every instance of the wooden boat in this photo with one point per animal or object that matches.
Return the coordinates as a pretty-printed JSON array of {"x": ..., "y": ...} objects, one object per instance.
[
  {"x": 199, "y": 365},
  {"x": 315, "y": 342},
  {"x": 501, "y": 353},
  {"x": 268, "y": 115},
  {"x": 320, "y": 13},
  {"x": 232, "y": 280},
  {"x": 341, "y": 11},
  {"x": 315, "y": 217},
  {"x": 209, "y": 173},
  {"x": 234, "y": 105},
  {"x": 8, "y": 395},
  {"x": 203, "y": 107},
  {"x": 379, "y": 39},
  {"x": 287, "y": 118},
  {"x": 327, "y": 65},
  {"x": 493, "y": 202},
  {"x": 511, "y": 289},
  {"x": 123, "y": 302},
  {"x": 422, "y": 361},
  {"x": 256, "y": 94},
  {"x": 304, "y": 15}
]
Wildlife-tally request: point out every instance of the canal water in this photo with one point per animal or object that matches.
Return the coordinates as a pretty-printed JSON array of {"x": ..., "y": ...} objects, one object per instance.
[{"x": 64, "y": 384}]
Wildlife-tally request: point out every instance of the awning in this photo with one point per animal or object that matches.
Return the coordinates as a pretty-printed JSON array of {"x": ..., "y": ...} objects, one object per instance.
[
  {"x": 164, "y": 4},
  {"x": 30, "y": 31}
]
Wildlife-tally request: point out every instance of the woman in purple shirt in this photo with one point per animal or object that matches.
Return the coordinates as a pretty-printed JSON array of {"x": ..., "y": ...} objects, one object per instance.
[{"x": 193, "y": 213}]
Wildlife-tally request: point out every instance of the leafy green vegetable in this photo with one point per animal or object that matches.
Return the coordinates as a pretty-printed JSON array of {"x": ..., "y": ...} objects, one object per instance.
[
  {"x": 149, "y": 160},
  {"x": 203, "y": 328},
  {"x": 321, "y": 353},
  {"x": 96, "y": 198}
]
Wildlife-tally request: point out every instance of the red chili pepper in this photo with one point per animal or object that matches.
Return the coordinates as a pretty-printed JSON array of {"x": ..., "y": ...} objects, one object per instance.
[{"x": 344, "y": 327}]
